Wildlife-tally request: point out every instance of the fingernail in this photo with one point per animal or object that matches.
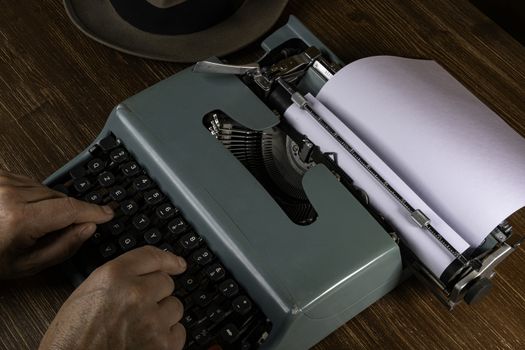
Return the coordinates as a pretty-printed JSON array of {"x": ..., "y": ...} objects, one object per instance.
[
  {"x": 107, "y": 209},
  {"x": 182, "y": 262}
]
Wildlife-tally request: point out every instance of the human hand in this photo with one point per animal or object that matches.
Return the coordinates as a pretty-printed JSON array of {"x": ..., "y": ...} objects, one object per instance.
[
  {"x": 40, "y": 227},
  {"x": 124, "y": 304}
]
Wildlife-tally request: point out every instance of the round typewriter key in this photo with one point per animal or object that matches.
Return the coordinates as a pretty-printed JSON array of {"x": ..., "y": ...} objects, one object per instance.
[
  {"x": 202, "y": 256},
  {"x": 107, "y": 250},
  {"x": 116, "y": 227},
  {"x": 78, "y": 171},
  {"x": 153, "y": 236},
  {"x": 153, "y": 197},
  {"x": 142, "y": 183},
  {"x": 190, "y": 240},
  {"x": 130, "y": 169},
  {"x": 215, "y": 272},
  {"x": 96, "y": 165},
  {"x": 106, "y": 179},
  {"x": 177, "y": 226},
  {"x": 117, "y": 193},
  {"x": 140, "y": 222},
  {"x": 229, "y": 333},
  {"x": 127, "y": 242},
  {"x": 242, "y": 304},
  {"x": 81, "y": 184},
  {"x": 108, "y": 143},
  {"x": 228, "y": 288},
  {"x": 129, "y": 207},
  {"x": 93, "y": 197},
  {"x": 166, "y": 211},
  {"x": 118, "y": 155}
]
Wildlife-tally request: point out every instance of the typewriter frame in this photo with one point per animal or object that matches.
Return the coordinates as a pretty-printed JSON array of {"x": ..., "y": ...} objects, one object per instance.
[{"x": 347, "y": 259}]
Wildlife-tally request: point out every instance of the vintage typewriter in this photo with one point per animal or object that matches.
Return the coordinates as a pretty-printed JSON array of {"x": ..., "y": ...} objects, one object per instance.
[{"x": 282, "y": 247}]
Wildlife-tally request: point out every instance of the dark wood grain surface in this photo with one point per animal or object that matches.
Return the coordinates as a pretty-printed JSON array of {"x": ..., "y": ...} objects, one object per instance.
[{"x": 57, "y": 88}]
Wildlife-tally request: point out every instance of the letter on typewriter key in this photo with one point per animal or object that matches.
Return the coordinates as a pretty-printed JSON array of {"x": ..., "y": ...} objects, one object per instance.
[
  {"x": 228, "y": 288},
  {"x": 140, "y": 222},
  {"x": 153, "y": 197},
  {"x": 242, "y": 304},
  {"x": 106, "y": 179},
  {"x": 127, "y": 242},
  {"x": 229, "y": 333},
  {"x": 166, "y": 211},
  {"x": 153, "y": 236},
  {"x": 142, "y": 183},
  {"x": 215, "y": 272},
  {"x": 118, "y": 155},
  {"x": 117, "y": 193},
  {"x": 96, "y": 165},
  {"x": 130, "y": 169},
  {"x": 129, "y": 207}
]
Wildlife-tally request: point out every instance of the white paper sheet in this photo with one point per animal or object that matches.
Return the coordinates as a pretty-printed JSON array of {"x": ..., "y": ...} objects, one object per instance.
[
  {"x": 422, "y": 243},
  {"x": 461, "y": 158}
]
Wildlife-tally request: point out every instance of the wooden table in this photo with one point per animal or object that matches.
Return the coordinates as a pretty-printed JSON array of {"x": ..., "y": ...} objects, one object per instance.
[{"x": 57, "y": 88}]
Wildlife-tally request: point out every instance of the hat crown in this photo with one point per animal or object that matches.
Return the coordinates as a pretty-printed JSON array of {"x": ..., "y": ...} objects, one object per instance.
[{"x": 165, "y": 3}]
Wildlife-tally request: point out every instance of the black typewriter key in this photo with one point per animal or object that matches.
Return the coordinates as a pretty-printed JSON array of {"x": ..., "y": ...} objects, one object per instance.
[
  {"x": 242, "y": 304},
  {"x": 116, "y": 227},
  {"x": 166, "y": 247},
  {"x": 81, "y": 184},
  {"x": 96, "y": 165},
  {"x": 166, "y": 211},
  {"x": 190, "y": 240},
  {"x": 77, "y": 172},
  {"x": 229, "y": 333},
  {"x": 108, "y": 250},
  {"x": 142, "y": 183},
  {"x": 202, "y": 256},
  {"x": 93, "y": 197},
  {"x": 117, "y": 193},
  {"x": 216, "y": 313},
  {"x": 229, "y": 288},
  {"x": 202, "y": 298},
  {"x": 127, "y": 242},
  {"x": 106, "y": 179},
  {"x": 215, "y": 272},
  {"x": 189, "y": 320},
  {"x": 153, "y": 236},
  {"x": 108, "y": 143},
  {"x": 153, "y": 197},
  {"x": 140, "y": 222},
  {"x": 96, "y": 238},
  {"x": 129, "y": 207},
  {"x": 202, "y": 336},
  {"x": 118, "y": 155},
  {"x": 189, "y": 283},
  {"x": 177, "y": 226},
  {"x": 130, "y": 169}
]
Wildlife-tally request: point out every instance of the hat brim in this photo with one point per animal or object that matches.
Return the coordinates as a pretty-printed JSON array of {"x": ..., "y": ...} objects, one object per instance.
[{"x": 99, "y": 20}]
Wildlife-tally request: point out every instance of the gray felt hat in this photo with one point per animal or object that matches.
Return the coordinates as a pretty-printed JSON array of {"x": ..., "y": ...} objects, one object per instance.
[{"x": 175, "y": 30}]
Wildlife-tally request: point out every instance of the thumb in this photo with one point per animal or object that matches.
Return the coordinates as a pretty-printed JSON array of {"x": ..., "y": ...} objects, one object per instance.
[{"x": 61, "y": 247}]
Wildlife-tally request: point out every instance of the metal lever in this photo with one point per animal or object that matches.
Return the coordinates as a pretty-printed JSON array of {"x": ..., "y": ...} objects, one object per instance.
[{"x": 221, "y": 68}]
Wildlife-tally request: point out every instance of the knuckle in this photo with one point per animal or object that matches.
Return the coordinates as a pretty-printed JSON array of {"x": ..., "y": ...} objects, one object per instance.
[
  {"x": 11, "y": 219},
  {"x": 108, "y": 272}
]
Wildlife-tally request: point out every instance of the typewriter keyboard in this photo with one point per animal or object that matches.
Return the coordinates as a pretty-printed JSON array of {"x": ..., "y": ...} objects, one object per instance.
[{"x": 218, "y": 313}]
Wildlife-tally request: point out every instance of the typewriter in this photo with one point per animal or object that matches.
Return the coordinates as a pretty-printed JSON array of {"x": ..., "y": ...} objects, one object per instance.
[{"x": 282, "y": 247}]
